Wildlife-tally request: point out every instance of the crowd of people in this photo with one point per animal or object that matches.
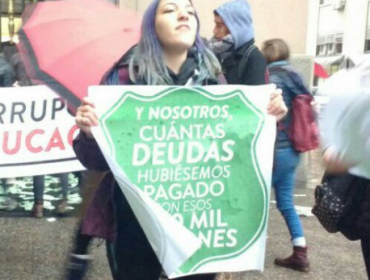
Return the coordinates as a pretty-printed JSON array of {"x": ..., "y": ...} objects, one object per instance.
[{"x": 171, "y": 52}]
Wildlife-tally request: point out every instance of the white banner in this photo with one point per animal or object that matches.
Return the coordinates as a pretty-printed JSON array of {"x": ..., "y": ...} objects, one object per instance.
[
  {"x": 195, "y": 165},
  {"x": 36, "y": 133}
]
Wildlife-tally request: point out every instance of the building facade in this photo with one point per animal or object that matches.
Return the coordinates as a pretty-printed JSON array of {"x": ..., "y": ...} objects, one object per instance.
[
  {"x": 338, "y": 30},
  {"x": 272, "y": 19}
]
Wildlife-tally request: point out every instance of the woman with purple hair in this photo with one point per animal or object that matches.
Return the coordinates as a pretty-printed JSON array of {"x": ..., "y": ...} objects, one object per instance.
[{"x": 170, "y": 52}]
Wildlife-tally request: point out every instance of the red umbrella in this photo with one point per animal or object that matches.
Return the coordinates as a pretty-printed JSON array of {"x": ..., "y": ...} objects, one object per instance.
[
  {"x": 320, "y": 71},
  {"x": 69, "y": 45}
]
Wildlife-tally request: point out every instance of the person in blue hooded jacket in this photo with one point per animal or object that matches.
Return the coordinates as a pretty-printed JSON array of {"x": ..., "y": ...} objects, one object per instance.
[{"x": 233, "y": 43}]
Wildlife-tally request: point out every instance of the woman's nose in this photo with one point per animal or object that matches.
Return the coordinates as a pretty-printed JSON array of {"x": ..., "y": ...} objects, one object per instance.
[{"x": 183, "y": 15}]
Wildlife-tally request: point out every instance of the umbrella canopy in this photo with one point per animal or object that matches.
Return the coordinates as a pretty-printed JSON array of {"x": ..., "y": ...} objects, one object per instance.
[
  {"x": 320, "y": 71},
  {"x": 69, "y": 45}
]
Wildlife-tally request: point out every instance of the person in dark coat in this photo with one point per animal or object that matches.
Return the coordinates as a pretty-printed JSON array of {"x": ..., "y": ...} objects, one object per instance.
[
  {"x": 233, "y": 43},
  {"x": 7, "y": 79},
  {"x": 362, "y": 223},
  {"x": 131, "y": 253},
  {"x": 338, "y": 163},
  {"x": 170, "y": 52},
  {"x": 7, "y": 75},
  {"x": 20, "y": 70}
]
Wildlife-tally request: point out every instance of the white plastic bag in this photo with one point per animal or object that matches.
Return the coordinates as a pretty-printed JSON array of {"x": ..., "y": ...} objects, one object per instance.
[{"x": 345, "y": 122}]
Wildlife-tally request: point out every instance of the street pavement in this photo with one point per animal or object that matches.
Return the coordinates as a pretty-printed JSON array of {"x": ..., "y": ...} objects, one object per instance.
[{"x": 32, "y": 249}]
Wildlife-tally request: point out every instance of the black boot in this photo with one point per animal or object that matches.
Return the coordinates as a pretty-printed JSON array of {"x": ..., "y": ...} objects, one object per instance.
[{"x": 76, "y": 268}]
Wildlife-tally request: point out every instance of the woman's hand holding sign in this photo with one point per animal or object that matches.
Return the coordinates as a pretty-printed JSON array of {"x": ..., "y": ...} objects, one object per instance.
[
  {"x": 86, "y": 117},
  {"x": 277, "y": 106}
]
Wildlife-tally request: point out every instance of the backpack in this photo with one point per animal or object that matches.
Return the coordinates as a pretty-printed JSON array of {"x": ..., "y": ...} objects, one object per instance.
[
  {"x": 338, "y": 201},
  {"x": 303, "y": 131}
]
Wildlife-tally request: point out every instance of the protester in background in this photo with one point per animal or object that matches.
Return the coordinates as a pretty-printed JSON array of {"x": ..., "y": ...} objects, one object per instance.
[
  {"x": 20, "y": 75},
  {"x": 335, "y": 165},
  {"x": 233, "y": 43},
  {"x": 38, "y": 191},
  {"x": 287, "y": 158},
  {"x": 165, "y": 55},
  {"x": 7, "y": 79},
  {"x": 7, "y": 76},
  {"x": 38, "y": 199},
  {"x": 20, "y": 71},
  {"x": 346, "y": 139}
]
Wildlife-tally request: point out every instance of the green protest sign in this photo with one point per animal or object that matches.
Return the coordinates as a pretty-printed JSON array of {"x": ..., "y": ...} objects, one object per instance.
[{"x": 194, "y": 153}]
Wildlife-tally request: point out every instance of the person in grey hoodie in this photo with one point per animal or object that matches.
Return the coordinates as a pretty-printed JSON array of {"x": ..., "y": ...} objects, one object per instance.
[{"x": 233, "y": 44}]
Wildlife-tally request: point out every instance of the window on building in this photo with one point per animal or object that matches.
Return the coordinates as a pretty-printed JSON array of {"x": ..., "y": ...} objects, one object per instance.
[
  {"x": 330, "y": 48},
  {"x": 338, "y": 41},
  {"x": 322, "y": 49},
  {"x": 315, "y": 81},
  {"x": 367, "y": 45},
  {"x": 331, "y": 44},
  {"x": 367, "y": 40},
  {"x": 322, "y": 2},
  {"x": 333, "y": 68},
  {"x": 317, "y": 50},
  {"x": 339, "y": 48},
  {"x": 18, "y": 6},
  {"x": 330, "y": 40}
]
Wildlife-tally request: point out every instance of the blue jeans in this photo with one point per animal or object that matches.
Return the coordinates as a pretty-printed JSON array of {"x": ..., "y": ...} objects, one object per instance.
[{"x": 283, "y": 179}]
